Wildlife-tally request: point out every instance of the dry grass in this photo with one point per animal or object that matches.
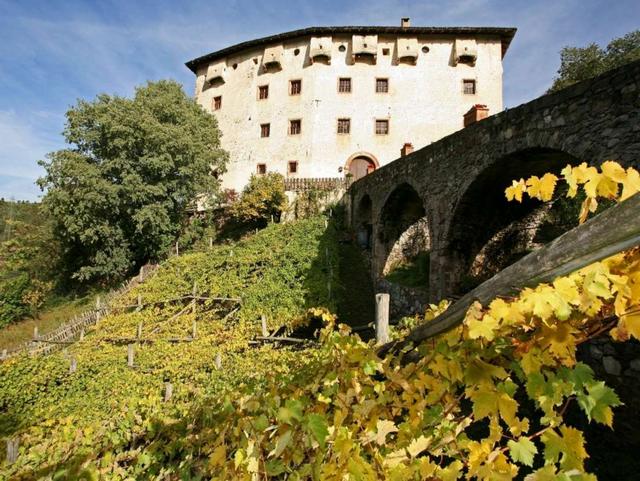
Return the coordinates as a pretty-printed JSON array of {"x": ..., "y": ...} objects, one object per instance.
[{"x": 46, "y": 321}]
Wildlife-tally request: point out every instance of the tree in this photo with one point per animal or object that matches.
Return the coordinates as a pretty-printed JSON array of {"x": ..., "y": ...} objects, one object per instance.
[
  {"x": 581, "y": 63},
  {"x": 120, "y": 192},
  {"x": 262, "y": 199}
]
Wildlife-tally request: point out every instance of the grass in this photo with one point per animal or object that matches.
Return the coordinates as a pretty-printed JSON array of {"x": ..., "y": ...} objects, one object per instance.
[{"x": 59, "y": 311}]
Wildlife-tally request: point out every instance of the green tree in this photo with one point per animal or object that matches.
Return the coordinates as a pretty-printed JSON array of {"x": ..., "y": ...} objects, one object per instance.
[
  {"x": 262, "y": 198},
  {"x": 121, "y": 191},
  {"x": 581, "y": 63}
]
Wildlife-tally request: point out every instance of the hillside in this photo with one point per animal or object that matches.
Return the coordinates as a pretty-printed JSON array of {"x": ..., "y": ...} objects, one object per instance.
[{"x": 63, "y": 419}]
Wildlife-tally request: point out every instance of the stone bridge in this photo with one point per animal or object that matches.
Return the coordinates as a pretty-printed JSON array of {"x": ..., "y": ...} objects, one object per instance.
[{"x": 452, "y": 191}]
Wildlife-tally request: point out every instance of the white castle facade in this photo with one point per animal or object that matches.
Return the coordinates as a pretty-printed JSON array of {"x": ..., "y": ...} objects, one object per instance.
[{"x": 330, "y": 102}]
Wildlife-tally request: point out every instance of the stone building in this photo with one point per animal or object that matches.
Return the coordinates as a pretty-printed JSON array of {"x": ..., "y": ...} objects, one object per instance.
[{"x": 325, "y": 102}]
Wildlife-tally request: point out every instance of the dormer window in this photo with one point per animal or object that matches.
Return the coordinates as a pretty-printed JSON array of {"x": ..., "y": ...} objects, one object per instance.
[
  {"x": 407, "y": 49},
  {"x": 272, "y": 58},
  {"x": 365, "y": 46},
  {"x": 320, "y": 49},
  {"x": 465, "y": 51},
  {"x": 215, "y": 73}
]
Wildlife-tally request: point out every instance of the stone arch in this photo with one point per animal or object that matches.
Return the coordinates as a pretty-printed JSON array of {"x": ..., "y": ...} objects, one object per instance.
[
  {"x": 402, "y": 230},
  {"x": 485, "y": 227},
  {"x": 361, "y": 164},
  {"x": 364, "y": 221}
]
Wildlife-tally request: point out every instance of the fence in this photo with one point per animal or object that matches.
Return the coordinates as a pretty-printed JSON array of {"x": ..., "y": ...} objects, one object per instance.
[
  {"x": 293, "y": 184},
  {"x": 73, "y": 329}
]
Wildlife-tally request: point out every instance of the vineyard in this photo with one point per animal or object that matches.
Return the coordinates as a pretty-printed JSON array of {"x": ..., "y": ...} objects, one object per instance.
[{"x": 178, "y": 383}]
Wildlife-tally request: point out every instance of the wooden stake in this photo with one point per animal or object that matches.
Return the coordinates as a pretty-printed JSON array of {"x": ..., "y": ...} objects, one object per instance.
[
  {"x": 139, "y": 333},
  {"x": 141, "y": 275},
  {"x": 168, "y": 391},
  {"x": 35, "y": 332},
  {"x": 130, "y": 355},
  {"x": 218, "y": 362},
  {"x": 139, "y": 302},
  {"x": 82, "y": 334},
  {"x": 194, "y": 291},
  {"x": 73, "y": 366},
  {"x": 177, "y": 249},
  {"x": 382, "y": 318},
  {"x": 265, "y": 331},
  {"x": 98, "y": 302},
  {"x": 12, "y": 450},
  {"x": 194, "y": 330},
  {"x": 210, "y": 242},
  {"x": 4, "y": 354}
]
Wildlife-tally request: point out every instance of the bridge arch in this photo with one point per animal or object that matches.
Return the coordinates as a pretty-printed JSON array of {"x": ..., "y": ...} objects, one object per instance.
[
  {"x": 402, "y": 229},
  {"x": 486, "y": 232}
]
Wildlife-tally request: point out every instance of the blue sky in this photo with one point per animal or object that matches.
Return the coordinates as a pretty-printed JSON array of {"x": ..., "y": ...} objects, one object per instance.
[{"x": 55, "y": 52}]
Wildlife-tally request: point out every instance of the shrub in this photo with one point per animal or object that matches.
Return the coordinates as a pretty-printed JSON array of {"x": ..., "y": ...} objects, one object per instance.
[{"x": 262, "y": 199}]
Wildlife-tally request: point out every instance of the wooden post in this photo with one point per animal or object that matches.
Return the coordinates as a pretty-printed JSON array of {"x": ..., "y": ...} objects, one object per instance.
[
  {"x": 98, "y": 303},
  {"x": 168, "y": 391},
  {"x": 12, "y": 450},
  {"x": 130, "y": 355},
  {"x": 4, "y": 354},
  {"x": 82, "y": 334},
  {"x": 141, "y": 275},
  {"x": 177, "y": 249},
  {"x": 326, "y": 223},
  {"x": 265, "y": 331},
  {"x": 73, "y": 366},
  {"x": 194, "y": 330},
  {"x": 218, "y": 362},
  {"x": 35, "y": 332},
  {"x": 382, "y": 318},
  {"x": 194, "y": 291},
  {"x": 210, "y": 242},
  {"x": 139, "y": 302},
  {"x": 139, "y": 333}
]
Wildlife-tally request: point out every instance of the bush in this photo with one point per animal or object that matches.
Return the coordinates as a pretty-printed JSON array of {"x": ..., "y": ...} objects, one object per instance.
[{"x": 262, "y": 199}]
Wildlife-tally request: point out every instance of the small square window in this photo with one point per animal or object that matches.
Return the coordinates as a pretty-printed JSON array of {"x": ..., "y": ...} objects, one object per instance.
[
  {"x": 263, "y": 92},
  {"x": 261, "y": 169},
  {"x": 382, "y": 127},
  {"x": 217, "y": 103},
  {"x": 382, "y": 85},
  {"x": 295, "y": 87},
  {"x": 469, "y": 86},
  {"x": 265, "y": 130},
  {"x": 385, "y": 51},
  {"x": 292, "y": 167},
  {"x": 344, "y": 126},
  {"x": 344, "y": 85},
  {"x": 295, "y": 127}
]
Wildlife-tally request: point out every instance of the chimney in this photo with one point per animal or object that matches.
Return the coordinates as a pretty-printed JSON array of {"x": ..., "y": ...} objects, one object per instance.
[
  {"x": 406, "y": 149},
  {"x": 405, "y": 22},
  {"x": 475, "y": 113}
]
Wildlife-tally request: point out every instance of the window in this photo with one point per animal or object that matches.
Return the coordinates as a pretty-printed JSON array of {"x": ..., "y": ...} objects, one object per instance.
[
  {"x": 469, "y": 86},
  {"x": 265, "y": 130},
  {"x": 344, "y": 85},
  {"x": 261, "y": 169},
  {"x": 295, "y": 127},
  {"x": 293, "y": 167},
  {"x": 295, "y": 87},
  {"x": 382, "y": 85},
  {"x": 344, "y": 126},
  {"x": 217, "y": 103},
  {"x": 382, "y": 127},
  {"x": 385, "y": 51},
  {"x": 263, "y": 92}
]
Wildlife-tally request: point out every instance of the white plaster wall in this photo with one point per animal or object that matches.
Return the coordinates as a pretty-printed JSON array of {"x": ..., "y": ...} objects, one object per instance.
[{"x": 425, "y": 103}]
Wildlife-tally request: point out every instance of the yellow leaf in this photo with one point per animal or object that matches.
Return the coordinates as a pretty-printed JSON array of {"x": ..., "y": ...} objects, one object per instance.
[
  {"x": 484, "y": 327},
  {"x": 631, "y": 323},
  {"x": 516, "y": 190},
  {"x": 418, "y": 445},
  {"x": 571, "y": 180},
  {"x": 395, "y": 457},
  {"x": 384, "y": 427},
  {"x": 218, "y": 456},
  {"x": 630, "y": 184},
  {"x": 542, "y": 188},
  {"x": 613, "y": 171},
  {"x": 566, "y": 288},
  {"x": 589, "y": 205}
]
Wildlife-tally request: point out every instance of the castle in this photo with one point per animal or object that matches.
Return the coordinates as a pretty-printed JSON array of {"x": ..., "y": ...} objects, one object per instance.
[{"x": 336, "y": 102}]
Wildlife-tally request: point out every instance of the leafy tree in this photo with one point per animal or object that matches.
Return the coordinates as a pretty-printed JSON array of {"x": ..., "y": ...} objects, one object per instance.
[
  {"x": 261, "y": 199},
  {"x": 121, "y": 191},
  {"x": 581, "y": 63}
]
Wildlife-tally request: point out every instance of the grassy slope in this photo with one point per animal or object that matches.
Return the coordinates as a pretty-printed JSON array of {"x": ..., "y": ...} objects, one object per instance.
[{"x": 280, "y": 272}]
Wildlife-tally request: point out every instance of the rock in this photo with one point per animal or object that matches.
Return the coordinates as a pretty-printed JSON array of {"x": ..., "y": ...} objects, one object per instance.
[
  {"x": 611, "y": 366},
  {"x": 595, "y": 352},
  {"x": 635, "y": 364},
  {"x": 609, "y": 350}
]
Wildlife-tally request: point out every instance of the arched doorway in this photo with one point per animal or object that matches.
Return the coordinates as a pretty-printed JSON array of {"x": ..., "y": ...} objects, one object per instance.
[{"x": 361, "y": 164}]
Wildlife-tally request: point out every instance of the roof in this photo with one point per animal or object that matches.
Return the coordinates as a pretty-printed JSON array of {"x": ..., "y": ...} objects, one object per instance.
[{"x": 505, "y": 34}]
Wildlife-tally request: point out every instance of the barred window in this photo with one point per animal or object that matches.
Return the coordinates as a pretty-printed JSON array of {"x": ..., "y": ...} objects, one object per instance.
[
  {"x": 382, "y": 85},
  {"x": 293, "y": 167},
  {"x": 265, "y": 130},
  {"x": 261, "y": 169},
  {"x": 344, "y": 126},
  {"x": 295, "y": 87},
  {"x": 263, "y": 92},
  {"x": 217, "y": 103},
  {"x": 295, "y": 127},
  {"x": 344, "y": 85},
  {"x": 469, "y": 86},
  {"x": 382, "y": 127}
]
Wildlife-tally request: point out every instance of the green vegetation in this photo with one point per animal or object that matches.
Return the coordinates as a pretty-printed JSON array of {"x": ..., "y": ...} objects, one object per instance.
[
  {"x": 412, "y": 273},
  {"x": 581, "y": 63},
  {"x": 262, "y": 200},
  {"x": 119, "y": 195}
]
